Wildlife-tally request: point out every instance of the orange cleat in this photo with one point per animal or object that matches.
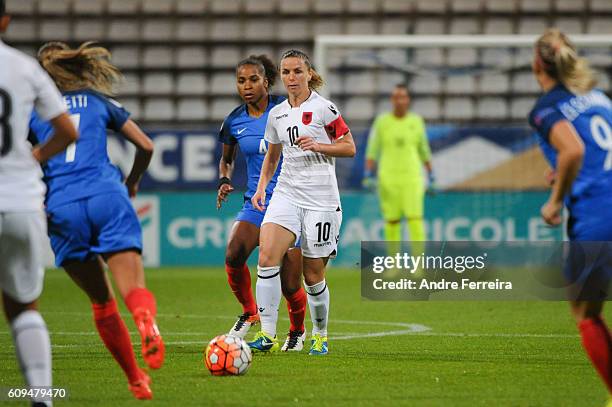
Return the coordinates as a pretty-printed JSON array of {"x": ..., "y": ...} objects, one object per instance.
[
  {"x": 153, "y": 348},
  {"x": 141, "y": 388}
]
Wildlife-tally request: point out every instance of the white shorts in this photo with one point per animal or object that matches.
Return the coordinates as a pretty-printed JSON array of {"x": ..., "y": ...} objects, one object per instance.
[
  {"x": 23, "y": 238},
  {"x": 317, "y": 231}
]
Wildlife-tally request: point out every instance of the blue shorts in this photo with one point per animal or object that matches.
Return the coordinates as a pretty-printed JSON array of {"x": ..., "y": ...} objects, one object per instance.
[
  {"x": 249, "y": 214},
  {"x": 95, "y": 225},
  {"x": 588, "y": 270}
]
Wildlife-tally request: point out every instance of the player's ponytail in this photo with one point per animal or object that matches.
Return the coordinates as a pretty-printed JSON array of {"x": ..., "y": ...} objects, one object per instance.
[
  {"x": 265, "y": 66},
  {"x": 85, "y": 67},
  {"x": 561, "y": 62},
  {"x": 316, "y": 82}
]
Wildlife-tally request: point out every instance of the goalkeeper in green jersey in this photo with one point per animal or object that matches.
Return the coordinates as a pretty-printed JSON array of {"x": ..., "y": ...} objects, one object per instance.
[{"x": 398, "y": 143}]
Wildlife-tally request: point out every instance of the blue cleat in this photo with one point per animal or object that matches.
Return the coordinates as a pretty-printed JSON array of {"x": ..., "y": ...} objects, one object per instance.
[{"x": 263, "y": 343}]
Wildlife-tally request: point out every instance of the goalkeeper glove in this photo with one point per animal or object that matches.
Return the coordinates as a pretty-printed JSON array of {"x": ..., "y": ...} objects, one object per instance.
[
  {"x": 432, "y": 189},
  {"x": 369, "y": 182}
]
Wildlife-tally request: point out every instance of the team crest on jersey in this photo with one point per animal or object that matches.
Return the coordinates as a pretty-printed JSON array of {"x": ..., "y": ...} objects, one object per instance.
[{"x": 306, "y": 118}]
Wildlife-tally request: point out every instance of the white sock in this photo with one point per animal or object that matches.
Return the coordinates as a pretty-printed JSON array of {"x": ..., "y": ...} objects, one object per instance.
[
  {"x": 318, "y": 303},
  {"x": 33, "y": 348},
  {"x": 268, "y": 292}
]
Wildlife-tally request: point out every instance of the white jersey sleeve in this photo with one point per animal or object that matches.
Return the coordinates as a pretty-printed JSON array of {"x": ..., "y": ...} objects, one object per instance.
[
  {"x": 49, "y": 103},
  {"x": 271, "y": 136},
  {"x": 333, "y": 121}
]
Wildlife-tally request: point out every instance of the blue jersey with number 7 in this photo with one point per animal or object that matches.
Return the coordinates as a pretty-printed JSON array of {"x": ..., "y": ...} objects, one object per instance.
[
  {"x": 591, "y": 116},
  {"x": 84, "y": 169}
]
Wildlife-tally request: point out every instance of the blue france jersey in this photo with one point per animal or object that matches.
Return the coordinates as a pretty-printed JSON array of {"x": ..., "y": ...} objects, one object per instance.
[
  {"x": 248, "y": 132},
  {"x": 84, "y": 169},
  {"x": 591, "y": 115}
]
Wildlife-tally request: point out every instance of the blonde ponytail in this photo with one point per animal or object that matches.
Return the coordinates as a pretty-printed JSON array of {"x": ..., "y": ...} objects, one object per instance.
[{"x": 561, "y": 62}]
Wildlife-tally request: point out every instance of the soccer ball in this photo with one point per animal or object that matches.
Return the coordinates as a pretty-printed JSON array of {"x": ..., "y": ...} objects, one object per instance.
[{"x": 227, "y": 355}]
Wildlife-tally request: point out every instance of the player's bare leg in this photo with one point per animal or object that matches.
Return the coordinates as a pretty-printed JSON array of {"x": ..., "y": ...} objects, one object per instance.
[
  {"x": 318, "y": 302},
  {"x": 596, "y": 338},
  {"x": 91, "y": 277},
  {"x": 244, "y": 238},
  {"x": 274, "y": 241},
  {"x": 128, "y": 273},
  {"x": 291, "y": 283}
]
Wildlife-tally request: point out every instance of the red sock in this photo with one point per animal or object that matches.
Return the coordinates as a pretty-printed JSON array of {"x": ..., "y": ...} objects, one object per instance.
[
  {"x": 116, "y": 337},
  {"x": 598, "y": 345},
  {"x": 239, "y": 279},
  {"x": 141, "y": 298},
  {"x": 296, "y": 305}
]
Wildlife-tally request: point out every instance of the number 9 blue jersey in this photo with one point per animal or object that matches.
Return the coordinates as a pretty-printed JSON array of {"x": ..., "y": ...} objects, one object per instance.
[{"x": 84, "y": 169}]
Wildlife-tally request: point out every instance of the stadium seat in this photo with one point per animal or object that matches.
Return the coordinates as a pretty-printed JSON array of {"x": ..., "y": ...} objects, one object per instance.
[
  {"x": 191, "y": 30},
  {"x": 464, "y": 25},
  {"x": 465, "y": 6},
  {"x": 460, "y": 84},
  {"x": 225, "y": 56},
  {"x": 388, "y": 80},
  {"x": 427, "y": 84},
  {"x": 530, "y": 6},
  {"x": 225, "y": 29},
  {"x": 224, "y": 6},
  {"x": 55, "y": 30},
  {"x": 523, "y": 57},
  {"x": 221, "y": 107},
  {"x": 157, "y": 6},
  {"x": 462, "y": 56},
  {"x": 157, "y": 57},
  {"x": 599, "y": 25},
  {"x": 358, "y": 108},
  {"x": 569, "y": 5},
  {"x": 383, "y": 105},
  {"x": 429, "y": 26},
  {"x": 395, "y": 26},
  {"x": 59, "y": 7},
  {"x": 88, "y": 7},
  {"x": 397, "y": 6},
  {"x": 500, "y": 6},
  {"x": 601, "y": 5},
  {"x": 334, "y": 83},
  {"x": 458, "y": 108},
  {"x": 123, "y": 7},
  {"x": 499, "y": 57},
  {"x": 396, "y": 57},
  {"x": 130, "y": 84},
  {"x": 23, "y": 30},
  {"x": 498, "y": 26},
  {"x": 429, "y": 56},
  {"x": 569, "y": 25},
  {"x": 493, "y": 83},
  {"x": 491, "y": 108},
  {"x": 89, "y": 29},
  {"x": 260, "y": 29},
  {"x": 190, "y": 7},
  {"x": 157, "y": 30},
  {"x": 261, "y": 49},
  {"x": 328, "y": 6},
  {"x": 361, "y": 26},
  {"x": 293, "y": 29},
  {"x": 428, "y": 107},
  {"x": 223, "y": 83},
  {"x": 524, "y": 82},
  {"x": 124, "y": 30},
  {"x": 360, "y": 82},
  {"x": 431, "y": 6},
  {"x": 132, "y": 105},
  {"x": 264, "y": 7},
  {"x": 126, "y": 56},
  {"x": 24, "y": 7},
  {"x": 293, "y": 7},
  {"x": 158, "y": 83},
  {"x": 159, "y": 109},
  {"x": 191, "y": 57},
  {"x": 328, "y": 26},
  {"x": 362, "y": 6},
  {"x": 520, "y": 107},
  {"x": 191, "y": 83},
  {"x": 192, "y": 109},
  {"x": 532, "y": 25}
]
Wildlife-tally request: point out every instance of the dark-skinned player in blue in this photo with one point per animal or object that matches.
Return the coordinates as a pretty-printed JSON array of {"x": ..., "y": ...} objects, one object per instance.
[
  {"x": 244, "y": 128},
  {"x": 91, "y": 219},
  {"x": 574, "y": 122}
]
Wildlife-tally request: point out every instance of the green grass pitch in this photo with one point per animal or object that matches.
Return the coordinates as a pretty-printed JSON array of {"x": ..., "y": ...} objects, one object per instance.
[{"x": 474, "y": 353}]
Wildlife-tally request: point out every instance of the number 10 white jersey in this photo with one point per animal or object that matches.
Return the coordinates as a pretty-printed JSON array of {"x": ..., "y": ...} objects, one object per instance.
[
  {"x": 24, "y": 85},
  {"x": 307, "y": 179}
]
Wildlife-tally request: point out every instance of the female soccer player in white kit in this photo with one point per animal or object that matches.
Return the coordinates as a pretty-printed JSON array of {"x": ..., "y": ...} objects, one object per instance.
[{"x": 309, "y": 131}]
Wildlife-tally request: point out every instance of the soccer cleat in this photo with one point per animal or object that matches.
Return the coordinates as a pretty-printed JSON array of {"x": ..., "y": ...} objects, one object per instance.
[
  {"x": 263, "y": 343},
  {"x": 153, "y": 348},
  {"x": 318, "y": 345},
  {"x": 294, "y": 342},
  {"x": 141, "y": 388},
  {"x": 244, "y": 323}
]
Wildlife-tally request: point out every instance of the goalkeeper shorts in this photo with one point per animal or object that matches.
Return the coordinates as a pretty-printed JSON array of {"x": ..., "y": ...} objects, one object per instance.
[{"x": 403, "y": 199}]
